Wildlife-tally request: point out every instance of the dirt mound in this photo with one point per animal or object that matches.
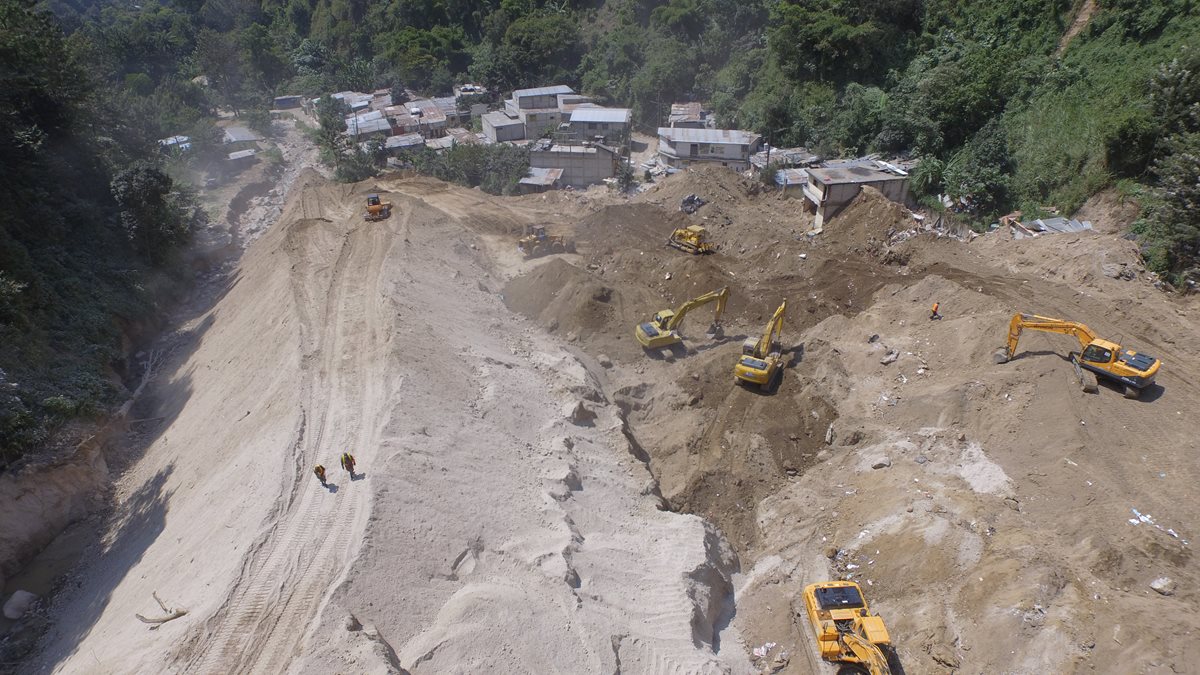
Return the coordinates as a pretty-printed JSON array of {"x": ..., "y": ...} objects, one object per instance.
[
  {"x": 565, "y": 299},
  {"x": 866, "y": 224},
  {"x": 623, "y": 226}
]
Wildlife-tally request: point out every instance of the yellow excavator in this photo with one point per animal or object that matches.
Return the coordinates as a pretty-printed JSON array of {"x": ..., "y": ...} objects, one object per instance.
[
  {"x": 661, "y": 330},
  {"x": 1134, "y": 370},
  {"x": 376, "y": 209},
  {"x": 762, "y": 358},
  {"x": 693, "y": 239},
  {"x": 844, "y": 627}
]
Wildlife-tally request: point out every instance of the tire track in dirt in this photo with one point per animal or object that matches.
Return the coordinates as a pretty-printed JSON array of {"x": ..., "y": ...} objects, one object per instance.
[{"x": 268, "y": 614}]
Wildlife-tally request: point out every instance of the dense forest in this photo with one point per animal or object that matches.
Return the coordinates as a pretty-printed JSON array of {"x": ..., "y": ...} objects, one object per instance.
[{"x": 1002, "y": 109}]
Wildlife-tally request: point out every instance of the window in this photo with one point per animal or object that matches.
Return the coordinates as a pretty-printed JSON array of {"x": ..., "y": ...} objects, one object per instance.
[{"x": 1097, "y": 354}]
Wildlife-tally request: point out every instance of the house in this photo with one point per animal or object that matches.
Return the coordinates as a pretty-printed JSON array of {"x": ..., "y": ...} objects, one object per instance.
[
  {"x": 539, "y": 180},
  {"x": 241, "y": 138},
  {"x": 287, "y": 102},
  {"x": 499, "y": 127},
  {"x": 368, "y": 125},
  {"x": 688, "y": 116},
  {"x": 830, "y": 188},
  {"x": 582, "y": 165},
  {"x": 783, "y": 157},
  {"x": 607, "y": 125},
  {"x": 240, "y": 159},
  {"x": 683, "y": 146},
  {"x": 537, "y": 108},
  {"x": 397, "y": 145}
]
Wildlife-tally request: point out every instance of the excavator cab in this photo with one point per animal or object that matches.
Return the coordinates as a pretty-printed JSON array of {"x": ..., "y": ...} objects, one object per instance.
[{"x": 844, "y": 628}]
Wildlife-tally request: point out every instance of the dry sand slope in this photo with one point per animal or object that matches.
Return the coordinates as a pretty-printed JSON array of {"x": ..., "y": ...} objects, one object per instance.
[{"x": 491, "y": 530}]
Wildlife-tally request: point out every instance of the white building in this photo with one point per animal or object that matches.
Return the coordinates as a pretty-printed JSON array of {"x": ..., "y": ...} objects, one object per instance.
[
  {"x": 608, "y": 125},
  {"x": 538, "y": 108},
  {"x": 499, "y": 127},
  {"x": 681, "y": 147}
]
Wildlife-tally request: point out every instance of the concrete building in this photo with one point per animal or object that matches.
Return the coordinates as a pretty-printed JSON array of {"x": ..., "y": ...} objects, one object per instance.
[
  {"x": 499, "y": 127},
  {"x": 681, "y": 147},
  {"x": 581, "y": 165},
  {"x": 610, "y": 126},
  {"x": 830, "y": 188},
  {"x": 538, "y": 108},
  {"x": 538, "y": 97}
]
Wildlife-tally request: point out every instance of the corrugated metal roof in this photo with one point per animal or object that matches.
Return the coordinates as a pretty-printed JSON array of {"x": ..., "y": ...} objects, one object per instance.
[
  {"x": 542, "y": 177},
  {"x": 404, "y": 141},
  {"x": 683, "y": 112},
  {"x": 786, "y": 177},
  {"x": 368, "y": 127},
  {"x": 607, "y": 115},
  {"x": 242, "y": 154},
  {"x": 240, "y": 135},
  {"x": 543, "y": 91},
  {"x": 726, "y": 136}
]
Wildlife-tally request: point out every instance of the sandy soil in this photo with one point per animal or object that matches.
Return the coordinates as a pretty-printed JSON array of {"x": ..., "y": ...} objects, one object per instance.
[{"x": 1000, "y": 519}]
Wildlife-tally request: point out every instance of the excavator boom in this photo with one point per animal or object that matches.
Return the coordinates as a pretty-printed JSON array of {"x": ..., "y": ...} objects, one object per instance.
[
  {"x": 661, "y": 330},
  {"x": 718, "y": 297},
  {"x": 760, "y": 360},
  {"x": 1045, "y": 324},
  {"x": 1096, "y": 358}
]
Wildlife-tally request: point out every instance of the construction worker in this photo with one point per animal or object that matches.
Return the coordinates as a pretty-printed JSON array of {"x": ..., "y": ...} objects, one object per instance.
[
  {"x": 320, "y": 471},
  {"x": 933, "y": 312},
  {"x": 348, "y": 463}
]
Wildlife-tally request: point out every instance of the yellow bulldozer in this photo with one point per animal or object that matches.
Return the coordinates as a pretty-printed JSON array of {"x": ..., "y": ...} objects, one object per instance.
[
  {"x": 1131, "y": 369},
  {"x": 662, "y": 330},
  {"x": 535, "y": 242},
  {"x": 692, "y": 239},
  {"x": 377, "y": 209},
  {"x": 762, "y": 357},
  {"x": 845, "y": 630}
]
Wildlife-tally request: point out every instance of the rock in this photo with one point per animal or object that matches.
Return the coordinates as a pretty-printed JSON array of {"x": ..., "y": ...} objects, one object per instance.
[
  {"x": 582, "y": 416},
  {"x": 604, "y": 361},
  {"x": 881, "y": 462},
  {"x": 1012, "y": 504},
  {"x": 568, "y": 443},
  {"x": 696, "y": 377},
  {"x": 853, "y": 438},
  {"x": 831, "y": 552},
  {"x": 693, "y": 401},
  {"x": 552, "y": 326},
  {"x": 890, "y": 357},
  {"x": 921, "y": 459},
  {"x": 1161, "y": 585},
  {"x": 829, "y": 435},
  {"x": 18, "y": 603},
  {"x": 351, "y": 623},
  {"x": 873, "y": 339},
  {"x": 483, "y": 287}
]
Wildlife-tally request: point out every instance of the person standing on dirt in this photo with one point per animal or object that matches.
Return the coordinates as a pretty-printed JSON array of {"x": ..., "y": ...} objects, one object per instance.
[
  {"x": 320, "y": 471},
  {"x": 348, "y": 463},
  {"x": 933, "y": 312}
]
